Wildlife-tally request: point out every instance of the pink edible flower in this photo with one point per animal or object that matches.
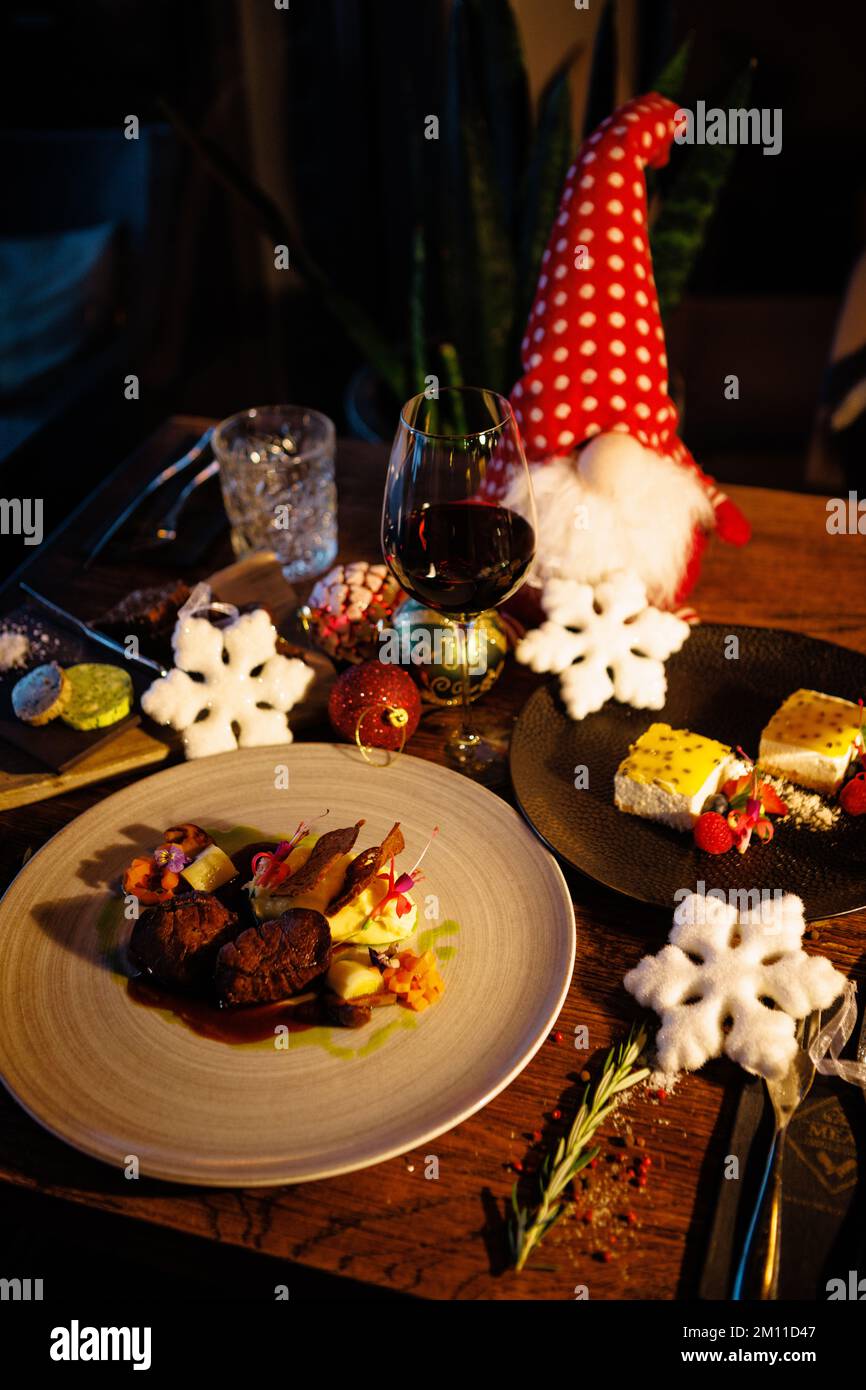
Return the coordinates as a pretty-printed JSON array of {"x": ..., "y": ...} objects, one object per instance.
[{"x": 270, "y": 867}]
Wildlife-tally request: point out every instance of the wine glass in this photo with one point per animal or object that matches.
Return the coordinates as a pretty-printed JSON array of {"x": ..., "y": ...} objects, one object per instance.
[{"x": 446, "y": 544}]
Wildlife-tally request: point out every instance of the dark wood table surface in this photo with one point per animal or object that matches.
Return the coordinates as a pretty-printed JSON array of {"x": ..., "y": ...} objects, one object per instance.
[{"x": 390, "y": 1226}]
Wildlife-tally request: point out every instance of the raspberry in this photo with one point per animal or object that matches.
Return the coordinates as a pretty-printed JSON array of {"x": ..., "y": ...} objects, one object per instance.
[
  {"x": 713, "y": 834},
  {"x": 853, "y": 796}
]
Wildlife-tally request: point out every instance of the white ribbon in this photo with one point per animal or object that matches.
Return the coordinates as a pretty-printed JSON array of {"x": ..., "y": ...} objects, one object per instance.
[
  {"x": 830, "y": 1041},
  {"x": 201, "y": 601}
]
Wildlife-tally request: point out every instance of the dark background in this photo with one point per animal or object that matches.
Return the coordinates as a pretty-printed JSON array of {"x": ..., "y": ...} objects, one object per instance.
[{"x": 322, "y": 105}]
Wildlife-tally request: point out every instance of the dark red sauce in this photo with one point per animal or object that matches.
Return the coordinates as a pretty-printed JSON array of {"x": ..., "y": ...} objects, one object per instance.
[{"x": 253, "y": 1024}]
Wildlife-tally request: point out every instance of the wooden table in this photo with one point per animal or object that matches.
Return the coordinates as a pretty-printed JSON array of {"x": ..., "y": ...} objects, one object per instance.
[{"x": 390, "y": 1226}]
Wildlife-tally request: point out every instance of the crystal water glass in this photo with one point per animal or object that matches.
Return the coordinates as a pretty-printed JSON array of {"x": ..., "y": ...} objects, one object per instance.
[{"x": 277, "y": 474}]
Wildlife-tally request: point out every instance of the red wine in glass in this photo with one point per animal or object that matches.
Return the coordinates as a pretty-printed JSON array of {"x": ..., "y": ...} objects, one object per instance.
[
  {"x": 462, "y": 558},
  {"x": 449, "y": 549}
]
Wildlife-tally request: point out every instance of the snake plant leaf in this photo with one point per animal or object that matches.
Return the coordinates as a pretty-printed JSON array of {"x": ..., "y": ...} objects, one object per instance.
[
  {"x": 456, "y": 415},
  {"x": 671, "y": 80},
  {"x": 669, "y": 83},
  {"x": 504, "y": 90},
  {"x": 421, "y": 368},
  {"x": 689, "y": 203},
  {"x": 478, "y": 262},
  {"x": 548, "y": 165}
]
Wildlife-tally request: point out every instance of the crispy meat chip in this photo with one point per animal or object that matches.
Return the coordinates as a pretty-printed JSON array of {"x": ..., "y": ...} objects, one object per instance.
[
  {"x": 274, "y": 960},
  {"x": 363, "y": 870},
  {"x": 326, "y": 849}
]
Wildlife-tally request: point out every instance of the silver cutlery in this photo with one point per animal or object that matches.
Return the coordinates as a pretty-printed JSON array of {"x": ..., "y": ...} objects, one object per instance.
[
  {"x": 786, "y": 1094},
  {"x": 173, "y": 470},
  {"x": 91, "y": 633},
  {"x": 165, "y": 530}
]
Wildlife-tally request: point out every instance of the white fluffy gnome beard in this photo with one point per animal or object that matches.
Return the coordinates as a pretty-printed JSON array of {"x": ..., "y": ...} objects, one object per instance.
[{"x": 616, "y": 505}]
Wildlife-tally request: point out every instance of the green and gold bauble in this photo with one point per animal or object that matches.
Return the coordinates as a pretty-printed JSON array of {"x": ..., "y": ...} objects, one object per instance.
[{"x": 427, "y": 644}]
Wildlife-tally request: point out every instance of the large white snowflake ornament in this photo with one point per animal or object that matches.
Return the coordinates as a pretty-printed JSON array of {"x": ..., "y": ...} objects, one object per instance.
[
  {"x": 733, "y": 981},
  {"x": 605, "y": 640},
  {"x": 243, "y": 690}
]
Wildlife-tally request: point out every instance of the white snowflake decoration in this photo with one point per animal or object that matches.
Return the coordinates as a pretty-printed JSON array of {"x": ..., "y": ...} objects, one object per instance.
[
  {"x": 229, "y": 691},
  {"x": 712, "y": 985},
  {"x": 605, "y": 640}
]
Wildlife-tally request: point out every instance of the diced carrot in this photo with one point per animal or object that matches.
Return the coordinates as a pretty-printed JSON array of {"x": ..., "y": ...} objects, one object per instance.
[{"x": 142, "y": 880}]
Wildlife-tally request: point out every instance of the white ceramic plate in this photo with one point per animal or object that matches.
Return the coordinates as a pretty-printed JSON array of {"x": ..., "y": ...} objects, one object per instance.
[{"x": 115, "y": 1078}]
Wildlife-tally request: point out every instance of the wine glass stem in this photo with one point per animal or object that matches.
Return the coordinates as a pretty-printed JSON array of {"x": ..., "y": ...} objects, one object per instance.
[{"x": 468, "y": 734}]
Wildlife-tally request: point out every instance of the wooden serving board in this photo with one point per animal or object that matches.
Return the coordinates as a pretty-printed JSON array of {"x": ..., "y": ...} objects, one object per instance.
[{"x": 255, "y": 579}]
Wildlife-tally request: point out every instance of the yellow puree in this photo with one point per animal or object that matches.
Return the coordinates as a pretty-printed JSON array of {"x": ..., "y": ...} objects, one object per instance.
[
  {"x": 675, "y": 758},
  {"x": 816, "y": 722}
]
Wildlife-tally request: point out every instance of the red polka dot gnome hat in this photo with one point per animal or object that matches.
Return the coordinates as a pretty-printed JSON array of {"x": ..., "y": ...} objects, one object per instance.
[{"x": 615, "y": 486}]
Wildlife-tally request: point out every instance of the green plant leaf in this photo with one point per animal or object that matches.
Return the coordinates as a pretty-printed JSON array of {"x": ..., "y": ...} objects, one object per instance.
[
  {"x": 478, "y": 261},
  {"x": 453, "y": 379},
  {"x": 670, "y": 83},
  {"x": 551, "y": 156},
  {"x": 688, "y": 205},
  {"x": 503, "y": 85},
  {"x": 417, "y": 310},
  {"x": 671, "y": 79}
]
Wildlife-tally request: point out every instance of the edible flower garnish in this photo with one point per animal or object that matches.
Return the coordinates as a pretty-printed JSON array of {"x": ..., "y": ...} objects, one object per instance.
[
  {"x": 399, "y": 887},
  {"x": 397, "y": 890},
  {"x": 171, "y": 857},
  {"x": 270, "y": 867},
  {"x": 750, "y": 804},
  {"x": 857, "y": 750}
]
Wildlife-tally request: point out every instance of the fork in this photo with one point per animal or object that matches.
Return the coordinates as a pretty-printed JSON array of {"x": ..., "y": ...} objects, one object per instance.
[
  {"x": 173, "y": 470},
  {"x": 165, "y": 529},
  {"x": 786, "y": 1094}
]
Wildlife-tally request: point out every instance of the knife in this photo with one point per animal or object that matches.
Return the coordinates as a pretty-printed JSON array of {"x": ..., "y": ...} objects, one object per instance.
[
  {"x": 171, "y": 471},
  {"x": 90, "y": 632}
]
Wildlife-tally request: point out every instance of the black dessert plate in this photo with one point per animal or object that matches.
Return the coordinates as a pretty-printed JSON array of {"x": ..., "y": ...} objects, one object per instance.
[{"x": 708, "y": 693}]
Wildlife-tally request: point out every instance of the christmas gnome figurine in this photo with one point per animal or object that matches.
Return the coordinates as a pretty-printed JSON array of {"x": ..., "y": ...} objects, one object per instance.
[{"x": 615, "y": 487}]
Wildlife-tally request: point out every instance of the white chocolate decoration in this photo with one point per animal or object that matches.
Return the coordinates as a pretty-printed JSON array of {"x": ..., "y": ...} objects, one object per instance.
[
  {"x": 243, "y": 691},
  {"x": 733, "y": 982},
  {"x": 605, "y": 640}
]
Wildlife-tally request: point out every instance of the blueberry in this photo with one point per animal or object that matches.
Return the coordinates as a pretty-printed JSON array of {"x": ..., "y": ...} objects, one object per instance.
[{"x": 717, "y": 803}]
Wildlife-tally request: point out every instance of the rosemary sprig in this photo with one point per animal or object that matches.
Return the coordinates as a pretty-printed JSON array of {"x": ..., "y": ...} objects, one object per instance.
[{"x": 529, "y": 1225}]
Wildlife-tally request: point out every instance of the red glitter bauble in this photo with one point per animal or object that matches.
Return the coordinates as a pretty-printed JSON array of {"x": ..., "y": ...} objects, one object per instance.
[{"x": 383, "y": 698}]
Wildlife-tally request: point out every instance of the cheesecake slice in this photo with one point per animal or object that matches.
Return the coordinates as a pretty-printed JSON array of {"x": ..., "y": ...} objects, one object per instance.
[
  {"x": 669, "y": 773},
  {"x": 811, "y": 739}
]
